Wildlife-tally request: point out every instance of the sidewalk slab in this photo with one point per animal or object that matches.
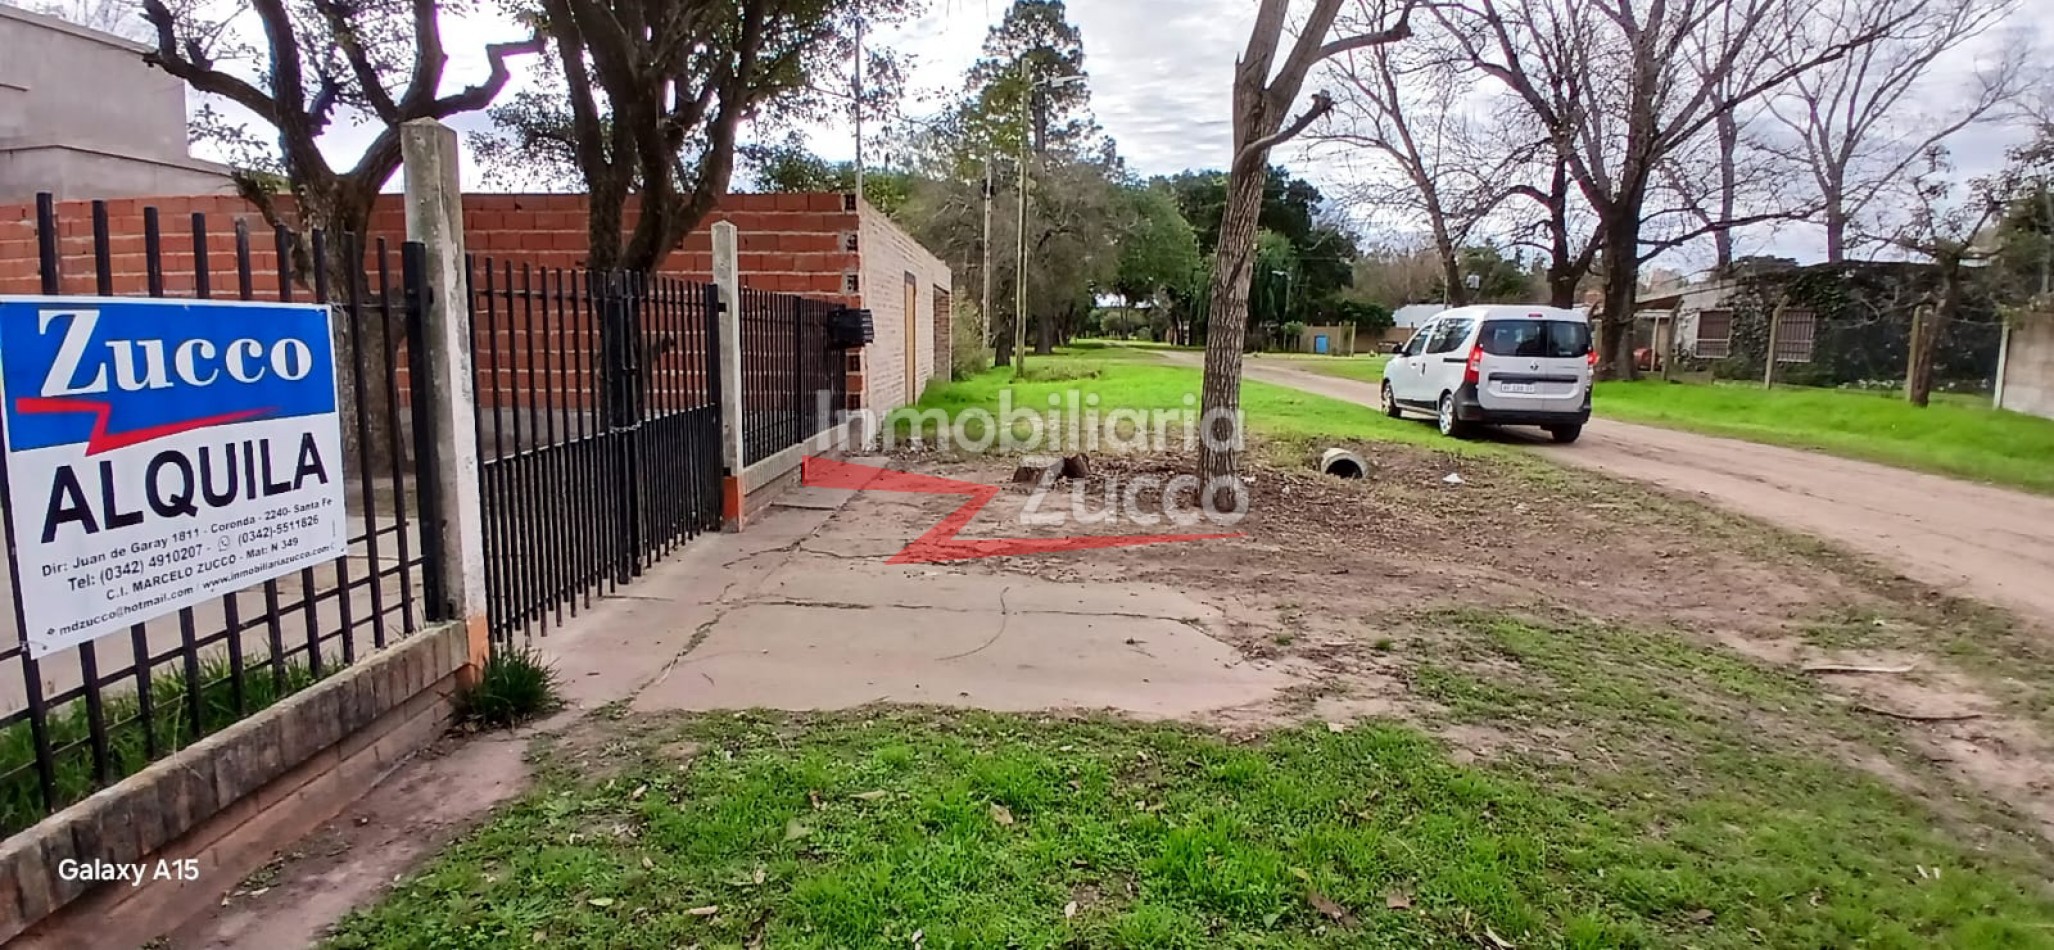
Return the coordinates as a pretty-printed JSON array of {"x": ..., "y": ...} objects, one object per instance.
[{"x": 786, "y": 656}]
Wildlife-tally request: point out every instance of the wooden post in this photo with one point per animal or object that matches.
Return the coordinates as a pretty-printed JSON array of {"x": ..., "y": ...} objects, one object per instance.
[
  {"x": 1675, "y": 343},
  {"x": 2003, "y": 356},
  {"x": 1775, "y": 337},
  {"x": 1911, "y": 355}
]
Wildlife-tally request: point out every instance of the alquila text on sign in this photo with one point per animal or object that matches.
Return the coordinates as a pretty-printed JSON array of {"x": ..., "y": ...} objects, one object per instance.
[{"x": 163, "y": 453}]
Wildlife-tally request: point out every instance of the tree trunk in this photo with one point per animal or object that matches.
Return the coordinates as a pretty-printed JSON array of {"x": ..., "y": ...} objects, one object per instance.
[
  {"x": 1044, "y": 334},
  {"x": 1225, "y": 333},
  {"x": 1002, "y": 343},
  {"x": 366, "y": 417},
  {"x": 1457, "y": 293},
  {"x": 1561, "y": 286},
  {"x": 1729, "y": 187},
  {"x": 1926, "y": 327},
  {"x": 1565, "y": 271},
  {"x": 603, "y": 225},
  {"x": 1622, "y": 287},
  {"x": 1918, "y": 371},
  {"x": 1836, "y": 229}
]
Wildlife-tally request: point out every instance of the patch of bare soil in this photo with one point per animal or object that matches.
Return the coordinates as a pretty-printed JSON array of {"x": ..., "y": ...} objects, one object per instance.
[
  {"x": 349, "y": 861},
  {"x": 1330, "y": 571}
]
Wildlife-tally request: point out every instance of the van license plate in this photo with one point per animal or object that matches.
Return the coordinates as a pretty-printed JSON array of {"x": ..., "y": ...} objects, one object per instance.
[{"x": 1526, "y": 388}]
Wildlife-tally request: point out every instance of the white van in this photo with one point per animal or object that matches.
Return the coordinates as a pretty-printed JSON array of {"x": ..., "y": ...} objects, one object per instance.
[{"x": 1496, "y": 365}]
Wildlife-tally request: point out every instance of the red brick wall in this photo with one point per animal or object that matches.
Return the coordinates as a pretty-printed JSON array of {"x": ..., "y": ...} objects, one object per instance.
[{"x": 790, "y": 243}]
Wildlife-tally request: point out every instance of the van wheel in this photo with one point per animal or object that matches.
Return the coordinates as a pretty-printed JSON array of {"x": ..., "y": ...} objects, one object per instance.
[
  {"x": 1451, "y": 426},
  {"x": 1565, "y": 434},
  {"x": 1391, "y": 403}
]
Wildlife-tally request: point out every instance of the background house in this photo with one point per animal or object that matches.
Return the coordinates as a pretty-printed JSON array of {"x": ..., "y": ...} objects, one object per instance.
[
  {"x": 82, "y": 116},
  {"x": 1407, "y": 320},
  {"x": 1845, "y": 324}
]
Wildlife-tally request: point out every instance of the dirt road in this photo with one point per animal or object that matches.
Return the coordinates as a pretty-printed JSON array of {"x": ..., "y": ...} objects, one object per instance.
[{"x": 1961, "y": 538}]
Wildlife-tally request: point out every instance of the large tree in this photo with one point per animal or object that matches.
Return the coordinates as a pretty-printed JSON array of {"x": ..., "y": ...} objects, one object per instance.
[
  {"x": 1292, "y": 208},
  {"x": 381, "y": 62},
  {"x": 654, "y": 93},
  {"x": 1035, "y": 53},
  {"x": 1074, "y": 240},
  {"x": 1027, "y": 97},
  {"x": 1158, "y": 248},
  {"x": 1621, "y": 87},
  {"x": 1431, "y": 158},
  {"x": 1855, "y": 126},
  {"x": 324, "y": 60},
  {"x": 1265, "y": 91},
  {"x": 1950, "y": 225}
]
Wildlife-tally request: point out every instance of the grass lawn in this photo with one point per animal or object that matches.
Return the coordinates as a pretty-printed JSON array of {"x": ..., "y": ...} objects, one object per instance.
[
  {"x": 1623, "y": 787},
  {"x": 1125, "y": 378},
  {"x": 1684, "y": 816},
  {"x": 1950, "y": 437},
  {"x": 1368, "y": 367}
]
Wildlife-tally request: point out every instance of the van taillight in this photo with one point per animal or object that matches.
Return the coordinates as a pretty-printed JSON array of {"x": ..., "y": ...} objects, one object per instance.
[
  {"x": 1591, "y": 356},
  {"x": 1473, "y": 372}
]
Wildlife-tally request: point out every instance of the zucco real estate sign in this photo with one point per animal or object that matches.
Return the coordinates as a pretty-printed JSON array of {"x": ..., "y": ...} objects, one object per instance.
[{"x": 161, "y": 453}]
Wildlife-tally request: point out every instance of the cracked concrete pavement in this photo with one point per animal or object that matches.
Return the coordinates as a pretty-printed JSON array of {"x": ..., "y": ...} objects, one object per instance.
[
  {"x": 803, "y": 612},
  {"x": 800, "y": 612}
]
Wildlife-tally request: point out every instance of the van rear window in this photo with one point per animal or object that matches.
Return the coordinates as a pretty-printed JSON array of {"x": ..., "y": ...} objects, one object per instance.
[{"x": 1548, "y": 339}]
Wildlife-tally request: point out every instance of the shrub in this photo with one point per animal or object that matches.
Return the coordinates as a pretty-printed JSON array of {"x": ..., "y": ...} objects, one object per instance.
[
  {"x": 517, "y": 685},
  {"x": 968, "y": 355}
]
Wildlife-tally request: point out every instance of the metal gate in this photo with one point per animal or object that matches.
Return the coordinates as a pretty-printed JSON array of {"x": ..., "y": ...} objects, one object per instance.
[{"x": 598, "y": 431}]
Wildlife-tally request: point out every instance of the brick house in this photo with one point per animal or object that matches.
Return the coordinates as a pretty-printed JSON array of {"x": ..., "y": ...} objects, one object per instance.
[{"x": 820, "y": 245}]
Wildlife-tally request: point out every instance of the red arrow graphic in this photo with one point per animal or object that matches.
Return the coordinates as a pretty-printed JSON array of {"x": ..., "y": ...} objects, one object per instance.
[
  {"x": 103, "y": 441},
  {"x": 940, "y": 543}
]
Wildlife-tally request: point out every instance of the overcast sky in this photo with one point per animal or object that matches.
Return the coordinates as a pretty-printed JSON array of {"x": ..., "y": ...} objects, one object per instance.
[{"x": 1159, "y": 72}]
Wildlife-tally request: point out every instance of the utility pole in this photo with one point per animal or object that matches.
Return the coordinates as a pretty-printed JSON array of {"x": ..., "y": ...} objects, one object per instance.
[
  {"x": 859, "y": 102},
  {"x": 1020, "y": 265},
  {"x": 984, "y": 312},
  {"x": 1020, "y": 277}
]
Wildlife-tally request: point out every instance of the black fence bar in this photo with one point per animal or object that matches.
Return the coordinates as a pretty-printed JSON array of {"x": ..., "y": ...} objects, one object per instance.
[
  {"x": 84, "y": 718},
  {"x": 792, "y": 380},
  {"x": 599, "y": 429},
  {"x": 598, "y": 420}
]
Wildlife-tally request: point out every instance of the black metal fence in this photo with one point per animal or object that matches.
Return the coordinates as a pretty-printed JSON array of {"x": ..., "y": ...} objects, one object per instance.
[
  {"x": 598, "y": 428},
  {"x": 599, "y": 432},
  {"x": 793, "y": 383},
  {"x": 82, "y": 718}
]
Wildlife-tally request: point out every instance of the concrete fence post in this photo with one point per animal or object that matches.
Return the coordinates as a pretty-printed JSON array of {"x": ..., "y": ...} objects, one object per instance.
[
  {"x": 727, "y": 277},
  {"x": 435, "y": 218}
]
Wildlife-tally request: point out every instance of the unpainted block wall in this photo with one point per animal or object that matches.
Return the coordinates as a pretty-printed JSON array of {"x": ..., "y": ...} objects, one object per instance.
[
  {"x": 2029, "y": 369},
  {"x": 889, "y": 256}
]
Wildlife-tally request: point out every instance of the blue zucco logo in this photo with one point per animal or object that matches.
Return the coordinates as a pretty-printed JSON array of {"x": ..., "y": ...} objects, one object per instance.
[{"x": 112, "y": 373}]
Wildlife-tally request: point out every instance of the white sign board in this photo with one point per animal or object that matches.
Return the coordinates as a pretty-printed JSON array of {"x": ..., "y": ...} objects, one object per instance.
[{"x": 162, "y": 453}]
